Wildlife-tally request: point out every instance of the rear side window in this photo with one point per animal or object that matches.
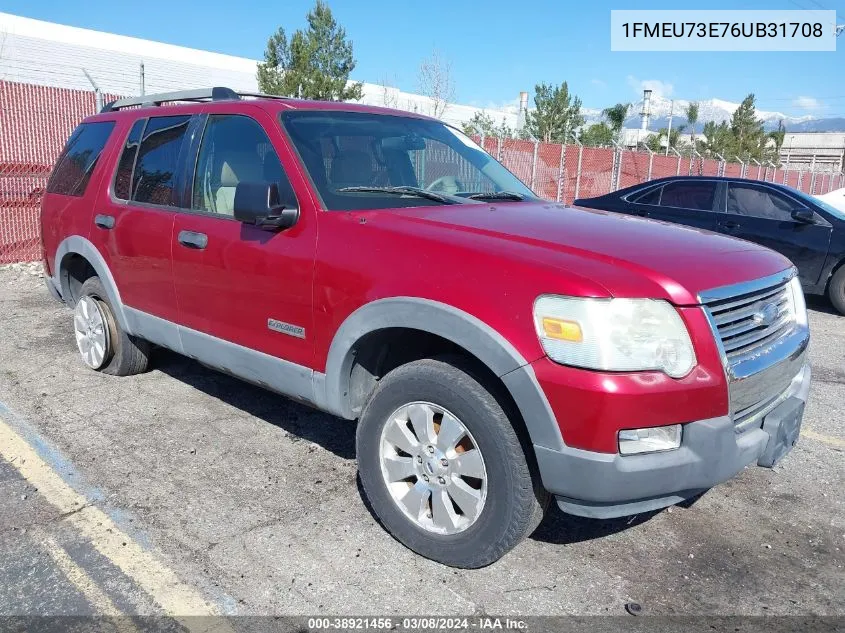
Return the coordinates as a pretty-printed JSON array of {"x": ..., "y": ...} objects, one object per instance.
[
  {"x": 79, "y": 158},
  {"x": 123, "y": 177},
  {"x": 154, "y": 178},
  {"x": 689, "y": 195},
  {"x": 649, "y": 197}
]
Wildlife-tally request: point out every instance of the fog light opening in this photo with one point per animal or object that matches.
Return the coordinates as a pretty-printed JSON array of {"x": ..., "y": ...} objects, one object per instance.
[{"x": 651, "y": 440}]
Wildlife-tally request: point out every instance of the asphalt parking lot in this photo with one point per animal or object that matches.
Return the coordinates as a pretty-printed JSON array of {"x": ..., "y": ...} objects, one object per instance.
[{"x": 195, "y": 489}]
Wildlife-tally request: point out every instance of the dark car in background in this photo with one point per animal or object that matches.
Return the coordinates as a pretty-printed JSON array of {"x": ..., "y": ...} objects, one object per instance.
[{"x": 807, "y": 230}]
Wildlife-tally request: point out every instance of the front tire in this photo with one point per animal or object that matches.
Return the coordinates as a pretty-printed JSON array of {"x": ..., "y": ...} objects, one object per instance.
[
  {"x": 836, "y": 290},
  {"x": 443, "y": 467},
  {"x": 102, "y": 343}
]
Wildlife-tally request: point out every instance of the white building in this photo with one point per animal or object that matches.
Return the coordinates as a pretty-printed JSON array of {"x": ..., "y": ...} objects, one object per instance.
[{"x": 44, "y": 53}]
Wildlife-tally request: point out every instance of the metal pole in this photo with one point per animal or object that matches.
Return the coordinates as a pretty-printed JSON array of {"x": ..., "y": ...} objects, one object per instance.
[
  {"x": 578, "y": 168},
  {"x": 756, "y": 162},
  {"x": 143, "y": 87},
  {"x": 650, "y": 161},
  {"x": 741, "y": 168},
  {"x": 534, "y": 164},
  {"x": 678, "y": 170},
  {"x": 669, "y": 134},
  {"x": 720, "y": 170},
  {"x": 617, "y": 155},
  {"x": 561, "y": 174},
  {"x": 98, "y": 96},
  {"x": 499, "y": 150}
]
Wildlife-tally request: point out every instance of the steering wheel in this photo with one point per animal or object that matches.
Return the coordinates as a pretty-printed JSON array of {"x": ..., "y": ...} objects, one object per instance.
[{"x": 446, "y": 184}]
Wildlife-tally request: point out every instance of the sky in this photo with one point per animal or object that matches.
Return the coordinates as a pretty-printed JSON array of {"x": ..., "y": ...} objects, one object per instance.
[{"x": 496, "y": 49}]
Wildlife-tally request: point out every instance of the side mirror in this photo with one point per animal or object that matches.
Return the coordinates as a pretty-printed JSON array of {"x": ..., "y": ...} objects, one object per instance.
[
  {"x": 804, "y": 215},
  {"x": 258, "y": 203}
]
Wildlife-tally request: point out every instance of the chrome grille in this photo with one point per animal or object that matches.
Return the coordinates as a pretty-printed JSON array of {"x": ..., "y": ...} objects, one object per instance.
[
  {"x": 763, "y": 347},
  {"x": 742, "y": 325}
]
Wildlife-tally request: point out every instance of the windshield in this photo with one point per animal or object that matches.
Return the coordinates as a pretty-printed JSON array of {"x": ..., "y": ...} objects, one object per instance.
[{"x": 359, "y": 160}]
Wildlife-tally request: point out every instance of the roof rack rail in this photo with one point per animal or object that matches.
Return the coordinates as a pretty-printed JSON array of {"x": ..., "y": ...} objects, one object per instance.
[{"x": 218, "y": 93}]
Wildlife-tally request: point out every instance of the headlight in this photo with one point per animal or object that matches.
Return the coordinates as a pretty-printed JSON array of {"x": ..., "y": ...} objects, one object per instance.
[
  {"x": 799, "y": 306},
  {"x": 614, "y": 334}
]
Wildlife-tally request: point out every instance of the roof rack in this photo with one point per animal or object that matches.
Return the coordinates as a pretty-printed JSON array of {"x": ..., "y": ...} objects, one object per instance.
[{"x": 218, "y": 93}]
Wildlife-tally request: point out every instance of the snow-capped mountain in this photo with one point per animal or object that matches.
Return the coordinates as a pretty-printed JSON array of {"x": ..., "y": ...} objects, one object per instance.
[{"x": 718, "y": 110}]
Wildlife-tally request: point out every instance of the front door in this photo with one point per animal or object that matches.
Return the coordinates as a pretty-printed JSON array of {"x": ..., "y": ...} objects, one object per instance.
[
  {"x": 239, "y": 287},
  {"x": 763, "y": 215}
]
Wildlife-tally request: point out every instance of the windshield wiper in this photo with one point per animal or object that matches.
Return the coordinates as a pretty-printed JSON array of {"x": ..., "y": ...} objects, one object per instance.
[
  {"x": 497, "y": 195},
  {"x": 403, "y": 191}
]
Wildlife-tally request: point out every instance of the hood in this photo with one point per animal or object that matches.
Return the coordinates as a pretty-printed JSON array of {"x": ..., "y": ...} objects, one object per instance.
[{"x": 627, "y": 255}]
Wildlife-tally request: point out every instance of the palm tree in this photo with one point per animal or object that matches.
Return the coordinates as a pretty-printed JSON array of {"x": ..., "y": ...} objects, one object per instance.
[
  {"x": 616, "y": 116},
  {"x": 692, "y": 119}
]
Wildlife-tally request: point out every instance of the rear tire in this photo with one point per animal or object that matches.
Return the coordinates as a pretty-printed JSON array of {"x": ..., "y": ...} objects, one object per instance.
[
  {"x": 836, "y": 290},
  {"x": 472, "y": 499},
  {"x": 102, "y": 343}
]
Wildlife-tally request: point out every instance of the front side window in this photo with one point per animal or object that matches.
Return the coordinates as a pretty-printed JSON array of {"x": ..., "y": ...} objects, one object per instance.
[
  {"x": 343, "y": 151},
  {"x": 689, "y": 194},
  {"x": 79, "y": 158},
  {"x": 235, "y": 149},
  {"x": 759, "y": 202},
  {"x": 154, "y": 178}
]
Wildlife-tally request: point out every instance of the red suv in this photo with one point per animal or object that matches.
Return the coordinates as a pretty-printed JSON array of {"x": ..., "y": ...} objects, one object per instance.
[{"x": 497, "y": 350}]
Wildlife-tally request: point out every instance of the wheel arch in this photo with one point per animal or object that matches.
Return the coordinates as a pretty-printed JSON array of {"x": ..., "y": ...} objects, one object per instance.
[
  {"x": 342, "y": 389},
  {"x": 67, "y": 255}
]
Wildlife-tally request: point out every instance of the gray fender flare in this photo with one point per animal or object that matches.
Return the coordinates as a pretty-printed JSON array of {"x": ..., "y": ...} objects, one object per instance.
[
  {"x": 78, "y": 245},
  {"x": 455, "y": 325}
]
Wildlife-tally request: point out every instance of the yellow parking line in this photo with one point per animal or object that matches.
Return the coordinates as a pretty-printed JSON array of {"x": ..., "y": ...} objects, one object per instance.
[
  {"x": 821, "y": 437},
  {"x": 146, "y": 570},
  {"x": 102, "y": 604}
]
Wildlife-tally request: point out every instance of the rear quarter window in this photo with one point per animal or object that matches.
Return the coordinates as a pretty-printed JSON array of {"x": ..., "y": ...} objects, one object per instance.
[{"x": 79, "y": 158}]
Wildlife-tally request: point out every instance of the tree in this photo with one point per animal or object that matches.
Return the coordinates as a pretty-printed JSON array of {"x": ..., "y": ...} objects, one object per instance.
[
  {"x": 692, "y": 119},
  {"x": 484, "y": 125},
  {"x": 315, "y": 64},
  {"x": 718, "y": 139},
  {"x": 778, "y": 136},
  {"x": 555, "y": 114},
  {"x": 747, "y": 130},
  {"x": 616, "y": 116},
  {"x": 436, "y": 83},
  {"x": 389, "y": 93},
  {"x": 655, "y": 141},
  {"x": 597, "y": 135}
]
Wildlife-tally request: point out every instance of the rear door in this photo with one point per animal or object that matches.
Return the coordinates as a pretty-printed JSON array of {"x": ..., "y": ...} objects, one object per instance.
[
  {"x": 236, "y": 282},
  {"x": 763, "y": 215},
  {"x": 690, "y": 202},
  {"x": 134, "y": 218}
]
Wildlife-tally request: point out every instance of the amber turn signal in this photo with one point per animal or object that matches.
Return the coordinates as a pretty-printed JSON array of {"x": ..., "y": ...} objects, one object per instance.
[{"x": 562, "y": 330}]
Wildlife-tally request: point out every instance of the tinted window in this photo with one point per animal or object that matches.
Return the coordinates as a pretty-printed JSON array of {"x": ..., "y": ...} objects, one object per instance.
[
  {"x": 154, "y": 179},
  {"x": 759, "y": 202},
  {"x": 123, "y": 177},
  {"x": 235, "y": 149},
  {"x": 79, "y": 158},
  {"x": 357, "y": 149},
  {"x": 649, "y": 197},
  {"x": 689, "y": 194}
]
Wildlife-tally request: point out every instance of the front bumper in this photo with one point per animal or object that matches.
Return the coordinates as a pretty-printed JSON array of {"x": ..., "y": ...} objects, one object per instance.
[{"x": 604, "y": 485}]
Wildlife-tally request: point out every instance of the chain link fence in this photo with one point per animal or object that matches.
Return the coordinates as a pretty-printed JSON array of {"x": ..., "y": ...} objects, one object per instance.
[{"x": 35, "y": 121}]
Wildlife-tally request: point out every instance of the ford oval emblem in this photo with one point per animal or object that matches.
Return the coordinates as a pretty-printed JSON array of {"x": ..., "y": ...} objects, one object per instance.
[{"x": 766, "y": 314}]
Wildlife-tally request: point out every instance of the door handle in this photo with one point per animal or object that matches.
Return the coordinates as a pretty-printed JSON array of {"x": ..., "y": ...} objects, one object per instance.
[
  {"x": 730, "y": 224},
  {"x": 192, "y": 239},
  {"x": 642, "y": 214},
  {"x": 104, "y": 221}
]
